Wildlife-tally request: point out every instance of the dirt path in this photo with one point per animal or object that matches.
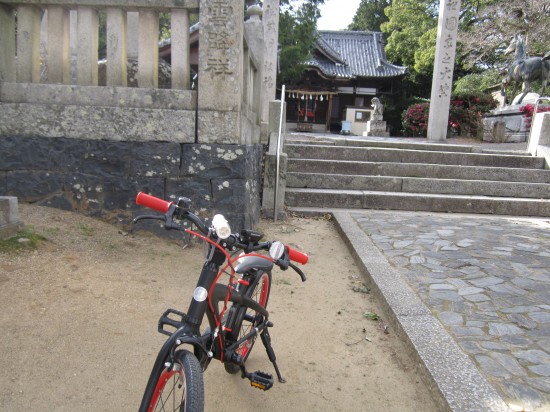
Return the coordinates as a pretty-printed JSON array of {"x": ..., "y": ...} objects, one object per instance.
[{"x": 78, "y": 319}]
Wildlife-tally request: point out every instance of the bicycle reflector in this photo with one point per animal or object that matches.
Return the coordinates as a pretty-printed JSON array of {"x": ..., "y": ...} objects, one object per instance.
[
  {"x": 221, "y": 226},
  {"x": 276, "y": 250}
]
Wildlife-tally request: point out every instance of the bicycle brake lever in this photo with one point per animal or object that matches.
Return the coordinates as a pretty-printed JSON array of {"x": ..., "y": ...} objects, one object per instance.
[
  {"x": 298, "y": 271},
  {"x": 152, "y": 217}
]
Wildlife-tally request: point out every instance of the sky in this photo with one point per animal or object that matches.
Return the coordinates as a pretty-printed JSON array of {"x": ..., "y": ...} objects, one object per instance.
[{"x": 337, "y": 14}]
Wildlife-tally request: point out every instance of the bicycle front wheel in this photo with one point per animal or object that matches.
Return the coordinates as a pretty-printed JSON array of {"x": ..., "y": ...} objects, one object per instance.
[
  {"x": 181, "y": 387},
  {"x": 248, "y": 318}
]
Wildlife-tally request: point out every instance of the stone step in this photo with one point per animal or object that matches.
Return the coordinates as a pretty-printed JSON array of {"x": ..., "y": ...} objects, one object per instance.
[
  {"x": 396, "y": 144},
  {"x": 418, "y": 185},
  {"x": 358, "y": 142},
  {"x": 398, "y": 155},
  {"x": 363, "y": 199},
  {"x": 435, "y": 171}
]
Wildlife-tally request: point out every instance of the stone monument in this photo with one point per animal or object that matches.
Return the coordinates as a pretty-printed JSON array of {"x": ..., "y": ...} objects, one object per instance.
[
  {"x": 376, "y": 126},
  {"x": 442, "y": 83}
]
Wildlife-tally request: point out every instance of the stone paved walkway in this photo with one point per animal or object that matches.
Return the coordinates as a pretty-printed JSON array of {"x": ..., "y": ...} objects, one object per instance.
[{"x": 487, "y": 280}]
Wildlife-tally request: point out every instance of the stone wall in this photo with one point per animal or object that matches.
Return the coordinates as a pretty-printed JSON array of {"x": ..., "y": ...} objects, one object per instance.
[{"x": 101, "y": 178}]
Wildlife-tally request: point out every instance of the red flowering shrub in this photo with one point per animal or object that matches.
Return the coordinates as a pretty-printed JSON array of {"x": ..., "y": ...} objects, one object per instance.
[
  {"x": 528, "y": 110},
  {"x": 415, "y": 119},
  {"x": 464, "y": 115}
]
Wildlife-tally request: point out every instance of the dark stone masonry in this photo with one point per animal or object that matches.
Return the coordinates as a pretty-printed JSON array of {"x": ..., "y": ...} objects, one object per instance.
[{"x": 101, "y": 178}]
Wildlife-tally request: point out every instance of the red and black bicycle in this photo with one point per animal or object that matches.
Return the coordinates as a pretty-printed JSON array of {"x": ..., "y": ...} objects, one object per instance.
[{"x": 235, "y": 311}]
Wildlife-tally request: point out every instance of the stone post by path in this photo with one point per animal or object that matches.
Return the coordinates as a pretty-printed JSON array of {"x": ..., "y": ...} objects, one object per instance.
[
  {"x": 221, "y": 71},
  {"x": 269, "y": 80},
  {"x": 442, "y": 83}
]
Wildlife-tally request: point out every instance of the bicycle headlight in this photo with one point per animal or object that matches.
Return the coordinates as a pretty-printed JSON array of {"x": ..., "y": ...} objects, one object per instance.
[{"x": 221, "y": 226}]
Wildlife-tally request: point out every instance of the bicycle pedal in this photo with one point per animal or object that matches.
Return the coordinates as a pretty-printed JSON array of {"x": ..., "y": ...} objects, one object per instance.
[{"x": 261, "y": 380}]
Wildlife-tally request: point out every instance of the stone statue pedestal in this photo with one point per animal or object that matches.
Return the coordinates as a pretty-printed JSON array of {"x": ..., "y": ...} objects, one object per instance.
[
  {"x": 376, "y": 127},
  {"x": 505, "y": 125}
]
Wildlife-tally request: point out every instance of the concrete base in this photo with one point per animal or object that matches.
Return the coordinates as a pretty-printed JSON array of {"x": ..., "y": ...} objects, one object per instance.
[
  {"x": 506, "y": 125},
  {"x": 9, "y": 217}
]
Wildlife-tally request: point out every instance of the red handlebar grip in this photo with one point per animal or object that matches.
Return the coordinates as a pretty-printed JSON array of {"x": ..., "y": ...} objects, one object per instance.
[
  {"x": 296, "y": 256},
  {"x": 153, "y": 202}
]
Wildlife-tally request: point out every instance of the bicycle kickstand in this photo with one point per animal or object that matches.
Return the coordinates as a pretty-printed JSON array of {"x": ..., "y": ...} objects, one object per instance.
[{"x": 266, "y": 339}]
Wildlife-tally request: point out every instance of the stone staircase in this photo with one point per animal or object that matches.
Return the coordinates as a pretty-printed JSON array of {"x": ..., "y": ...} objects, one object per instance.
[{"x": 415, "y": 176}]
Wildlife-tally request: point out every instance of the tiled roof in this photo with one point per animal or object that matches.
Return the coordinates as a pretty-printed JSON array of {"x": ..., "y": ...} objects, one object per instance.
[{"x": 351, "y": 54}]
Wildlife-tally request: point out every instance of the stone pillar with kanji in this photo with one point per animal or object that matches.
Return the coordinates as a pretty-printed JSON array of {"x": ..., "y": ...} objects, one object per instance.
[
  {"x": 220, "y": 71},
  {"x": 442, "y": 83}
]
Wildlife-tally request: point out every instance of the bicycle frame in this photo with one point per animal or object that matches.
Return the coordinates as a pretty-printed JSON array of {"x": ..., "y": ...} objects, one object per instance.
[{"x": 189, "y": 331}]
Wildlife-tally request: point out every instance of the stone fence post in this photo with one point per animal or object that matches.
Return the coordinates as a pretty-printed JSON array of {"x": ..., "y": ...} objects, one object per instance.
[{"x": 220, "y": 71}]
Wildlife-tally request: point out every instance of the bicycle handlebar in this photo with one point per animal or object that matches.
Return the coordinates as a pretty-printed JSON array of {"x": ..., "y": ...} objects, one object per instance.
[
  {"x": 170, "y": 208},
  {"x": 297, "y": 256},
  {"x": 153, "y": 202}
]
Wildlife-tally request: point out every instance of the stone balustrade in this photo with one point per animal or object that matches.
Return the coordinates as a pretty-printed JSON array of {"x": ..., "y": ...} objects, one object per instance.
[
  {"x": 40, "y": 97},
  {"x": 49, "y": 82},
  {"x": 50, "y": 25}
]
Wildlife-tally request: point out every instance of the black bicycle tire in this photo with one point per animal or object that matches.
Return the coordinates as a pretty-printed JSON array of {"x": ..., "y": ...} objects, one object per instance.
[
  {"x": 238, "y": 319},
  {"x": 193, "y": 380}
]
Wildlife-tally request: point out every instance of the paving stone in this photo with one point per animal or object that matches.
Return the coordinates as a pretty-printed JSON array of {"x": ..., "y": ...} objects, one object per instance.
[
  {"x": 469, "y": 291},
  {"x": 518, "y": 341},
  {"x": 509, "y": 363},
  {"x": 526, "y": 396},
  {"x": 533, "y": 356},
  {"x": 417, "y": 259},
  {"x": 399, "y": 260},
  {"x": 522, "y": 321},
  {"x": 493, "y": 368},
  {"x": 445, "y": 295},
  {"x": 475, "y": 324},
  {"x": 494, "y": 346},
  {"x": 505, "y": 289},
  {"x": 480, "y": 297},
  {"x": 485, "y": 316},
  {"x": 542, "y": 384},
  {"x": 487, "y": 281},
  {"x": 543, "y": 370},
  {"x": 471, "y": 347},
  {"x": 459, "y": 283},
  {"x": 449, "y": 248},
  {"x": 544, "y": 344},
  {"x": 451, "y": 318},
  {"x": 518, "y": 309},
  {"x": 442, "y": 286},
  {"x": 527, "y": 284},
  {"x": 542, "y": 317},
  {"x": 499, "y": 253},
  {"x": 465, "y": 243},
  {"x": 402, "y": 244},
  {"x": 467, "y": 331},
  {"x": 500, "y": 329},
  {"x": 437, "y": 275}
]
